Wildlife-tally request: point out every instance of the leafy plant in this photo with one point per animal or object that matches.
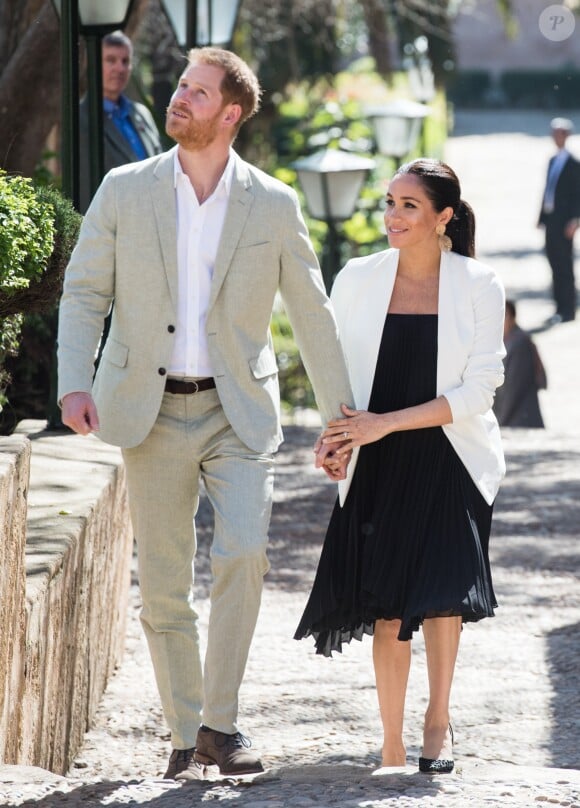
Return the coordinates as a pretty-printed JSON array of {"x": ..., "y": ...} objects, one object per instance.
[
  {"x": 38, "y": 230},
  {"x": 26, "y": 234}
]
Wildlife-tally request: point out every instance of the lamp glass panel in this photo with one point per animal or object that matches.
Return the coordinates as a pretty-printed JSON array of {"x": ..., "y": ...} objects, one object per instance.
[
  {"x": 343, "y": 190},
  {"x": 177, "y": 13},
  {"x": 396, "y": 136},
  {"x": 103, "y": 12},
  {"x": 221, "y": 15},
  {"x": 311, "y": 183}
]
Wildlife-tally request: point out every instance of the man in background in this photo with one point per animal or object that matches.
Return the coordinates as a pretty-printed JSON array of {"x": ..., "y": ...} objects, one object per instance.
[
  {"x": 516, "y": 401},
  {"x": 560, "y": 216},
  {"x": 130, "y": 133}
]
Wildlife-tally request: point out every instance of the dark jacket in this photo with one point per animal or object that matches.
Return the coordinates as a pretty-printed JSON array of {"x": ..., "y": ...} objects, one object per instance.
[
  {"x": 117, "y": 150},
  {"x": 567, "y": 195},
  {"x": 516, "y": 401}
]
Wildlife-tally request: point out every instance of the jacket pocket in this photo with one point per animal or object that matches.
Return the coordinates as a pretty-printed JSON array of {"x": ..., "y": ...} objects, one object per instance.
[
  {"x": 264, "y": 364},
  {"x": 116, "y": 353}
]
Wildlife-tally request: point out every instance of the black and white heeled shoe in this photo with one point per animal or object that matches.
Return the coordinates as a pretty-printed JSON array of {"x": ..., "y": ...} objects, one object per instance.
[{"x": 436, "y": 765}]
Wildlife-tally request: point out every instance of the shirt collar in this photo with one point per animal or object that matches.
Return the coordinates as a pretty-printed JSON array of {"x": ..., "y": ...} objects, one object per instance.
[
  {"x": 120, "y": 107},
  {"x": 225, "y": 182}
]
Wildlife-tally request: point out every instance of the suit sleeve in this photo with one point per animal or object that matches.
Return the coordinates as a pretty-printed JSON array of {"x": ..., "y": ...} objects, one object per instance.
[
  {"x": 87, "y": 293},
  {"x": 311, "y": 315}
]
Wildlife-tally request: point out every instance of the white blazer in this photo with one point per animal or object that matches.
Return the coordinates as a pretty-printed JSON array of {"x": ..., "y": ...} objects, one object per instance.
[{"x": 469, "y": 355}]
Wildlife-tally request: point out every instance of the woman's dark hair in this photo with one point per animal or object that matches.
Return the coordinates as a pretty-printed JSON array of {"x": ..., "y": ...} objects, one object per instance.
[{"x": 442, "y": 187}]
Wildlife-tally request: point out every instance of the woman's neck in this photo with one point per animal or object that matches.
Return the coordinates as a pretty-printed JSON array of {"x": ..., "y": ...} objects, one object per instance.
[{"x": 419, "y": 263}]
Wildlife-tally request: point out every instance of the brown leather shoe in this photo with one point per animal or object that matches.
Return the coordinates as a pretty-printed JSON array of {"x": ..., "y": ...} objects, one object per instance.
[
  {"x": 229, "y": 752},
  {"x": 184, "y": 766}
]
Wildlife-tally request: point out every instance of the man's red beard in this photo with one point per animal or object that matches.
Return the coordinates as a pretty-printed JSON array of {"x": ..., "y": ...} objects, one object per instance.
[{"x": 189, "y": 133}]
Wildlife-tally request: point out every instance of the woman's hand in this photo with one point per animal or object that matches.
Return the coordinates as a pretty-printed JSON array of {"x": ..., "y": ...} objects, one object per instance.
[{"x": 358, "y": 428}]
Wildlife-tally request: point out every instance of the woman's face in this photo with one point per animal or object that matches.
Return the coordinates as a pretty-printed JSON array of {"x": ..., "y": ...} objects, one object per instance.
[{"x": 410, "y": 218}]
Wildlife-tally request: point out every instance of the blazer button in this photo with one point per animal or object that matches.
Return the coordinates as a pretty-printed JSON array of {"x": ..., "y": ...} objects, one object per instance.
[
  {"x": 171, "y": 328},
  {"x": 162, "y": 371}
]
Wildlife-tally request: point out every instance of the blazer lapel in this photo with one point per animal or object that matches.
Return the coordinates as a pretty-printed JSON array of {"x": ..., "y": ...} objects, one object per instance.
[
  {"x": 164, "y": 206},
  {"x": 239, "y": 206},
  {"x": 369, "y": 319}
]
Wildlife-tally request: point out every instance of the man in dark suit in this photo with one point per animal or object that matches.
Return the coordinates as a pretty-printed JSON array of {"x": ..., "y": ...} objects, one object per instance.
[
  {"x": 559, "y": 215},
  {"x": 130, "y": 133}
]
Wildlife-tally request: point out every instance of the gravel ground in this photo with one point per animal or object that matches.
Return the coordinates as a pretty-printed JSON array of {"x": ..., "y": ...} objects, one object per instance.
[{"x": 315, "y": 721}]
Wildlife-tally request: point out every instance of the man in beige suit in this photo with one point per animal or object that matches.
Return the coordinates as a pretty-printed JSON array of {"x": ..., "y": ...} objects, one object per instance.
[{"x": 191, "y": 247}]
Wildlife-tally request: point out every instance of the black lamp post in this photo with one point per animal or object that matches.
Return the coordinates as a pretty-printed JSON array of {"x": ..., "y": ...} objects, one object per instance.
[
  {"x": 93, "y": 19},
  {"x": 331, "y": 181},
  {"x": 202, "y": 22},
  {"x": 397, "y": 127}
]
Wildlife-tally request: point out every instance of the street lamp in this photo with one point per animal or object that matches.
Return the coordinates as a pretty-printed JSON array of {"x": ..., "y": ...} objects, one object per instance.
[
  {"x": 93, "y": 19},
  {"x": 397, "y": 126},
  {"x": 202, "y": 22},
  {"x": 331, "y": 181}
]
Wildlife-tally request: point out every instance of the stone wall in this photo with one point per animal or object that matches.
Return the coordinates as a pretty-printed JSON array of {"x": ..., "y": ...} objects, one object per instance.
[
  {"x": 482, "y": 40},
  {"x": 14, "y": 471},
  {"x": 78, "y": 554}
]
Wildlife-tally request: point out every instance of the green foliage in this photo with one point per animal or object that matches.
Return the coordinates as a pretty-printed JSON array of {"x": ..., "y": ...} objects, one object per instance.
[
  {"x": 26, "y": 233},
  {"x": 295, "y": 388},
  {"x": 38, "y": 230},
  {"x": 9, "y": 333},
  {"x": 31, "y": 274}
]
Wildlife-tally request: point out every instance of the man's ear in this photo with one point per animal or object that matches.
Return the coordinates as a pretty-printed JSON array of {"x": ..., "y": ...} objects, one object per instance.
[{"x": 232, "y": 114}]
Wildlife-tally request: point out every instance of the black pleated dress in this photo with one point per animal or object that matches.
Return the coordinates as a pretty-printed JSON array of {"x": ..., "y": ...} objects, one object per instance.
[{"x": 411, "y": 541}]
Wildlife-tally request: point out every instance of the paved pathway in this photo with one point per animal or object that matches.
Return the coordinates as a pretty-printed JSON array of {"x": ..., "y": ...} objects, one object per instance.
[{"x": 315, "y": 721}]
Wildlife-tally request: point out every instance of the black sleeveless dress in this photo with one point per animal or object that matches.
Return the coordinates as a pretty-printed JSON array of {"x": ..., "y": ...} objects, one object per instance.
[{"x": 411, "y": 541}]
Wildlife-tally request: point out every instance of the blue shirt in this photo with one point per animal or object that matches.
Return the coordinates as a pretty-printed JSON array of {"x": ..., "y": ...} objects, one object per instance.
[{"x": 119, "y": 114}]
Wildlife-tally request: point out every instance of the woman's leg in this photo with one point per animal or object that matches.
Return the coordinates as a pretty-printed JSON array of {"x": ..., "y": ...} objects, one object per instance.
[
  {"x": 392, "y": 660},
  {"x": 441, "y": 645}
]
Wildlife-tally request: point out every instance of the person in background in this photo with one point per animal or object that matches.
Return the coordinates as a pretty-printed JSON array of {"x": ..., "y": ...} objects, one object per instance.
[
  {"x": 407, "y": 545},
  {"x": 516, "y": 401},
  {"x": 192, "y": 248},
  {"x": 130, "y": 133},
  {"x": 560, "y": 215}
]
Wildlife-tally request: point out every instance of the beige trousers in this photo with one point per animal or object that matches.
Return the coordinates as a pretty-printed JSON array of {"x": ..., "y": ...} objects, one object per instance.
[{"x": 192, "y": 440}]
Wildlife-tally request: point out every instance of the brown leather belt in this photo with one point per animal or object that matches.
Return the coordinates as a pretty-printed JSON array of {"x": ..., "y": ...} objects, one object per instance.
[{"x": 180, "y": 387}]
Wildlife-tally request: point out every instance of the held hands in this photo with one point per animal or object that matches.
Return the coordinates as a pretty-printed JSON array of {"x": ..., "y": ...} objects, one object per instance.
[
  {"x": 358, "y": 428},
  {"x": 79, "y": 413},
  {"x": 326, "y": 457}
]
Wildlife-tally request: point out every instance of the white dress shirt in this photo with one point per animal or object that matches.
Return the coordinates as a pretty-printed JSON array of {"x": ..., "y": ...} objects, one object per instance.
[{"x": 199, "y": 229}]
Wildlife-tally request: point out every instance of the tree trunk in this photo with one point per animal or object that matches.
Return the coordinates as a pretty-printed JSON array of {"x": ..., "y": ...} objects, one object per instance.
[
  {"x": 376, "y": 18},
  {"x": 30, "y": 94}
]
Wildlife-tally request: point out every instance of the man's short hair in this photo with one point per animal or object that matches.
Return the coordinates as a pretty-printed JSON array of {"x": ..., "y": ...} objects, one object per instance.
[
  {"x": 117, "y": 39},
  {"x": 239, "y": 84}
]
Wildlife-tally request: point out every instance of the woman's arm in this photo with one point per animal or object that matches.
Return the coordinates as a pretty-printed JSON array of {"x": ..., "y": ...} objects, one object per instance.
[{"x": 360, "y": 427}]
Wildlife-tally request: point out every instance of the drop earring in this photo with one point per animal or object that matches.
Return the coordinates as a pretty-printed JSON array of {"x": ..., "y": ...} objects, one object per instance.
[{"x": 445, "y": 243}]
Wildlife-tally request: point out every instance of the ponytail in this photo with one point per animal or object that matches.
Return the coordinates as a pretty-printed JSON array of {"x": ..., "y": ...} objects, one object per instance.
[{"x": 461, "y": 230}]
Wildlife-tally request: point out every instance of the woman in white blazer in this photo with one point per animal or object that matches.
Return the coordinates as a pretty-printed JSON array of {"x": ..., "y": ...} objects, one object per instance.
[{"x": 407, "y": 546}]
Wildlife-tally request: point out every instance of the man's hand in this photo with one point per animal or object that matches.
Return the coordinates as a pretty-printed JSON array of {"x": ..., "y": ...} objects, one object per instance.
[
  {"x": 79, "y": 413},
  {"x": 334, "y": 465},
  {"x": 571, "y": 228}
]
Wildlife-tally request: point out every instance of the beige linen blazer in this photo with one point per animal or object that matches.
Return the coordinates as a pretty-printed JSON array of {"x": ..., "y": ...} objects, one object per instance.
[
  {"x": 127, "y": 255},
  {"x": 469, "y": 351}
]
